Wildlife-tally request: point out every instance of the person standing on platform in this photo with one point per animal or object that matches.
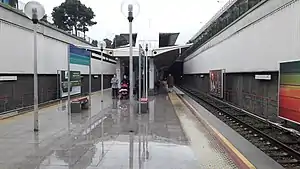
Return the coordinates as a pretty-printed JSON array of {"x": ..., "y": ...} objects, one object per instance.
[
  {"x": 114, "y": 85},
  {"x": 157, "y": 86},
  {"x": 125, "y": 80},
  {"x": 170, "y": 82}
]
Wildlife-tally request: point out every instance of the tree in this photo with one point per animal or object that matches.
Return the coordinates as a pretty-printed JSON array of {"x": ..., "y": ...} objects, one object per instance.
[
  {"x": 13, "y": 3},
  {"x": 119, "y": 40},
  {"x": 108, "y": 43},
  {"x": 95, "y": 43},
  {"x": 73, "y": 15},
  {"x": 45, "y": 18}
]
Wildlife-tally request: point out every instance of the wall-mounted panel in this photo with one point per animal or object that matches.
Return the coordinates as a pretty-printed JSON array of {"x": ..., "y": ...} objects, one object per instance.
[
  {"x": 216, "y": 83},
  {"x": 289, "y": 91}
]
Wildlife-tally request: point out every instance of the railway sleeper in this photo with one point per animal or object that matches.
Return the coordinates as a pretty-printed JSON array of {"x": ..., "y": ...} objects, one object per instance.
[
  {"x": 287, "y": 160},
  {"x": 277, "y": 154},
  {"x": 260, "y": 143},
  {"x": 263, "y": 146},
  {"x": 269, "y": 148},
  {"x": 263, "y": 128},
  {"x": 234, "y": 125},
  {"x": 291, "y": 166},
  {"x": 291, "y": 142}
]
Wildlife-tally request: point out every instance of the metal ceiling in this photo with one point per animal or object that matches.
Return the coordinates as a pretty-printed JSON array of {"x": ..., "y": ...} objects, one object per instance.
[{"x": 167, "y": 39}]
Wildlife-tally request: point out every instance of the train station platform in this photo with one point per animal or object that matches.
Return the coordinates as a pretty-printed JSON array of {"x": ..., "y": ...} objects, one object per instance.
[
  {"x": 241, "y": 150},
  {"x": 168, "y": 137}
]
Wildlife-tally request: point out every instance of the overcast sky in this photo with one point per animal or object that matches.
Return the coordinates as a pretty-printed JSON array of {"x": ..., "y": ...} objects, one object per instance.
[{"x": 183, "y": 16}]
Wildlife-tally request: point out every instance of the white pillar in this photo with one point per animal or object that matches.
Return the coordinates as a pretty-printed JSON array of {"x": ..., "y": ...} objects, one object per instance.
[
  {"x": 118, "y": 71},
  {"x": 151, "y": 75}
]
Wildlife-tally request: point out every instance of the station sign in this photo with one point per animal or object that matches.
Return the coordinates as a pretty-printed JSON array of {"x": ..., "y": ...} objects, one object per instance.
[
  {"x": 79, "y": 56},
  {"x": 263, "y": 77},
  {"x": 8, "y": 78}
]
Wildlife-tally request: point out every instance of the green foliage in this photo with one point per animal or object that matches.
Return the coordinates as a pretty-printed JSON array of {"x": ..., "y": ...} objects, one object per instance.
[
  {"x": 119, "y": 40},
  {"x": 108, "y": 43},
  {"x": 10, "y": 3},
  {"x": 95, "y": 43},
  {"x": 45, "y": 18},
  {"x": 73, "y": 15}
]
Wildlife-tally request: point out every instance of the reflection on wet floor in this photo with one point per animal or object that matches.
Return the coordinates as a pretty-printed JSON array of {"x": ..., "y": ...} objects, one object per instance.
[
  {"x": 103, "y": 141},
  {"x": 101, "y": 138}
]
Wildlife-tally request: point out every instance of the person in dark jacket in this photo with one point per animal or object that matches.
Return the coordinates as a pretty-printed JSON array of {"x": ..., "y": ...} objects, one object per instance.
[
  {"x": 157, "y": 85},
  {"x": 170, "y": 82}
]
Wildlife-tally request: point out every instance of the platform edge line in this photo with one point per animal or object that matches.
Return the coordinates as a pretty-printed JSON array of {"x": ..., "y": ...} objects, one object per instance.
[{"x": 226, "y": 143}]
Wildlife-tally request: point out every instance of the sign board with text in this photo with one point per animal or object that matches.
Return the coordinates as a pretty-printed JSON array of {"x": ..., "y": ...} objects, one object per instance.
[
  {"x": 75, "y": 79},
  {"x": 79, "y": 56}
]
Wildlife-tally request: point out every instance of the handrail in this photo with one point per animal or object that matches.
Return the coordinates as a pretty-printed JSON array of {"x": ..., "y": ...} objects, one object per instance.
[
  {"x": 20, "y": 7},
  {"x": 216, "y": 16}
]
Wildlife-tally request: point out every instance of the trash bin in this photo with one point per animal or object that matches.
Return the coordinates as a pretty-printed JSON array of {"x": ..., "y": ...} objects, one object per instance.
[
  {"x": 144, "y": 105},
  {"x": 75, "y": 107}
]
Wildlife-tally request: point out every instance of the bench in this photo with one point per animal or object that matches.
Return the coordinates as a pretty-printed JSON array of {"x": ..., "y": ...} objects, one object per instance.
[
  {"x": 178, "y": 92},
  {"x": 78, "y": 104}
]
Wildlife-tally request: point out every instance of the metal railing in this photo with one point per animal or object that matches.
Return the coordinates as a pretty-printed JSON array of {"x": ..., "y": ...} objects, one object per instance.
[
  {"x": 214, "y": 26},
  {"x": 216, "y": 16},
  {"x": 20, "y": 7}
]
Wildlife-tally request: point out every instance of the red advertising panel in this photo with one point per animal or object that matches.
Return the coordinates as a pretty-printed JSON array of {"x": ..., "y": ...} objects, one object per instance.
[
  {"x": 216, "y": 82},
  {"x": 289, "y": 91}
]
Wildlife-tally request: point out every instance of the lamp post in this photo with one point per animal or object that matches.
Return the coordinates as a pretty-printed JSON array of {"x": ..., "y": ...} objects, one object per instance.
[
  {"x": 35, "y": 11},
  {"x": 130, "y": 8},
  {"x": 146, "y": 65},
  {"x": 102, "y": 45}
]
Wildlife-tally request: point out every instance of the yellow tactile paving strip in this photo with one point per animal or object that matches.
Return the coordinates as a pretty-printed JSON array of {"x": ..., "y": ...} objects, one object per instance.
[
  {"x": 210, "y": 153},
  {"x": 239, "y": 159}
]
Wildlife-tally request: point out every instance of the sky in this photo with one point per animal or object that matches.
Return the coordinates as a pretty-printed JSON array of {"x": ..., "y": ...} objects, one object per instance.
[{"x": 179, "y": 16}]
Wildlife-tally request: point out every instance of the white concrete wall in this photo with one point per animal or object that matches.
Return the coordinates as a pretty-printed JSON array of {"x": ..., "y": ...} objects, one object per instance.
[
  {"x": 16, "y": 47},
  {"x": 258, "y": 47}
]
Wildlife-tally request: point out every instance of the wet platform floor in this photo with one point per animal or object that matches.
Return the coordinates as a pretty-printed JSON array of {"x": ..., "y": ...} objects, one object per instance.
[{"x": 101, "y": 139}]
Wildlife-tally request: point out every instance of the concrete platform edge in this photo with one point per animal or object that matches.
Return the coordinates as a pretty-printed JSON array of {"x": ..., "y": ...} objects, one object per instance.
[{"x": 238, "y": 158}]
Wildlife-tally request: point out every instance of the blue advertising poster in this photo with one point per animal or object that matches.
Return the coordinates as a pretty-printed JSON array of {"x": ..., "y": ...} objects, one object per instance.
[{"x": 79, "y": 56}]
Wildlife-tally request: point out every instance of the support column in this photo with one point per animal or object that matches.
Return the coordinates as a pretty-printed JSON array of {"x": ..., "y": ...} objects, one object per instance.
[
  {"x": 118, "y": 71},
  {"x": 151, "y": 76}
]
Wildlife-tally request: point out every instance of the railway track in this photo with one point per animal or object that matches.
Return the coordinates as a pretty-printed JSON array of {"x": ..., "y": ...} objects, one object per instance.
[{"x": 281, "y": 145}]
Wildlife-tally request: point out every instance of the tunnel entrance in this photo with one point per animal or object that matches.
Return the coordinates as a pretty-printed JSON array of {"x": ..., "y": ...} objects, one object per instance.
[{"x": 176, "y": 70}]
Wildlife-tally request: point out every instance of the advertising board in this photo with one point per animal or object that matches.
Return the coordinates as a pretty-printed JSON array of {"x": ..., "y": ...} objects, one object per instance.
[
  {"x": 289, "y": 91},
  {"x": 216, "y": 82}
]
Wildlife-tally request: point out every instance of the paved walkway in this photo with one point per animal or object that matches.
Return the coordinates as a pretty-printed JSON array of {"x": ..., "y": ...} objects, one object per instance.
[
  {"x": 18, "y": 140},
  {"x": 101, "y": 139}
]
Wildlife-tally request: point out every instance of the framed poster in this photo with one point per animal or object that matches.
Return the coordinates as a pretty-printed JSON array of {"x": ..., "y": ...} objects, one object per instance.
[
  {"x": 216, "y": 82},
  {"x": 289, "y": 91},
  {"x": 75, "y": 79}
]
